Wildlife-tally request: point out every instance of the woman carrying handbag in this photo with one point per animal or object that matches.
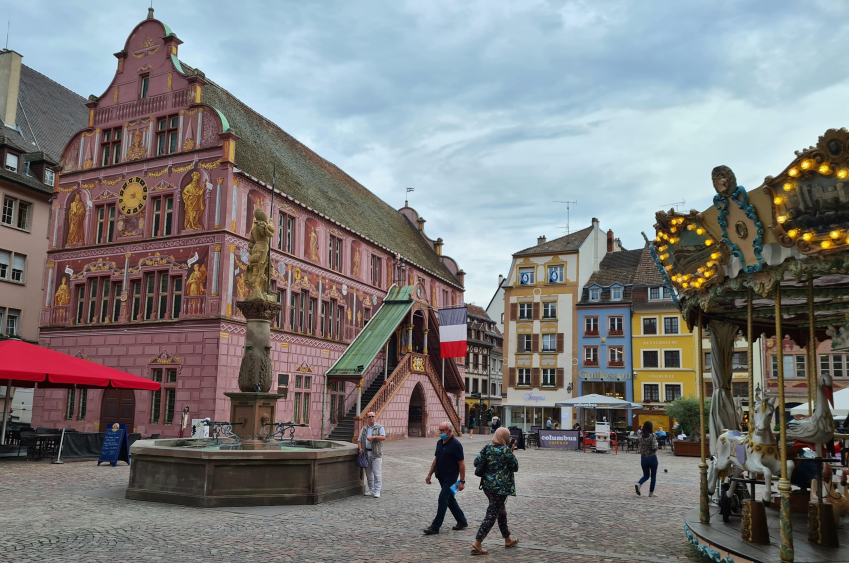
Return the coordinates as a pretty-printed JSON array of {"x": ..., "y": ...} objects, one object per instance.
[{"x": 495, "y": 465}]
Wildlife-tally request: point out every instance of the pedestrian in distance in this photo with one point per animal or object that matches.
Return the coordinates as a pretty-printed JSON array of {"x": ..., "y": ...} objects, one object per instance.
[
  {"x": 648, "y": 457},
  {"x": 496, "y": 424},
  {"x": 472, "y": 425},
  {"x": 371, "y": 440},
  {"x": 450, "y": 469},
  {"x": 497, "y": 484},
  {"x": 549, "y": 424}
]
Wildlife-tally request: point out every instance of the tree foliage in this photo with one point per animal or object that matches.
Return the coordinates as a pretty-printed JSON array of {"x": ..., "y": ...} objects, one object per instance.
[{"x": 685, "y": 410}]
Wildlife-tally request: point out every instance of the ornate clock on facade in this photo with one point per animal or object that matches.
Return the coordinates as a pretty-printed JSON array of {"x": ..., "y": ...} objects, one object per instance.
[{"x": 133, "y": 196}]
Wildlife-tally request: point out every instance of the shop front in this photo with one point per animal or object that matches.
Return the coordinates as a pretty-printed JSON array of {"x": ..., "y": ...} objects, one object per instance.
[
  {"x": 533, "y": 409},
  {"x": 613, "y": 384}
]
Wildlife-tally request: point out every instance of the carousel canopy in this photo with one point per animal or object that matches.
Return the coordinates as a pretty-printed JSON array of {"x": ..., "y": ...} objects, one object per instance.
[{"x": 791, "y": 233}]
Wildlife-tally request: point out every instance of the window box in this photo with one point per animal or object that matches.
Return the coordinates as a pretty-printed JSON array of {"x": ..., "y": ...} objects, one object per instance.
[
  {"x": 591, "y": 363},
  {"x": 615, "y": 364},
  {"x": 591, "y": 333},
  {"x": 615, "y": 332}
]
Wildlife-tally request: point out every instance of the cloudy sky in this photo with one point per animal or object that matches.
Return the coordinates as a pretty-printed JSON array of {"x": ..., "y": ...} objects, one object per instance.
[{"x": 494, "y": 110}]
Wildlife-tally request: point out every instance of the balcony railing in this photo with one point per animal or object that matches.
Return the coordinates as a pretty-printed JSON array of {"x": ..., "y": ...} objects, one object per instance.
[
  {"x": 129, "y": 110},
  {"x": 195, "y": 305},
  {"x": 61, "y": 315}
]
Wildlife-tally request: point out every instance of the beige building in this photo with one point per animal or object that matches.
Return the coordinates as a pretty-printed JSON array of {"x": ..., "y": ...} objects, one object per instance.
[{"x": 39, "y": 116}]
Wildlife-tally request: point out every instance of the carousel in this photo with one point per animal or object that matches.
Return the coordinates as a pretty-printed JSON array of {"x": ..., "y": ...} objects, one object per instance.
[{"x": 773, "y": 262}]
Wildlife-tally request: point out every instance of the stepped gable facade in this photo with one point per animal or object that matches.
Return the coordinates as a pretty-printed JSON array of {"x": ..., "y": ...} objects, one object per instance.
[{"x": 148, "y": 245}]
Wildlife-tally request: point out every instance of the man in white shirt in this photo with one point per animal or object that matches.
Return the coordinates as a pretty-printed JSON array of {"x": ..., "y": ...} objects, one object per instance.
[
  {"x": 371, "y": 440},
  {"x": 681, "y": 436}
]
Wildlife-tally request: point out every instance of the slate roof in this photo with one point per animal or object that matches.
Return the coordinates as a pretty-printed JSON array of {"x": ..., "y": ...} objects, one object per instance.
[
  {"x": 647, "y": 273},
  {"x": 476, "y": 311},
  {"x": 318, "y": 183},
  {"x": 616, "y": 267},
  {"x": 48, "y": 115},
  {"x": 568, "y": 243}
]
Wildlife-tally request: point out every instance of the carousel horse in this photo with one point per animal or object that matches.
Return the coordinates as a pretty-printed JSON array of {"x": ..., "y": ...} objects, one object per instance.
[{"x": 759, "y": 453}]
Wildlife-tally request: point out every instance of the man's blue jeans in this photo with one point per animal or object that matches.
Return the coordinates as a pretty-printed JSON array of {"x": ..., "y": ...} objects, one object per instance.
[
  {"x": 447, "y": 502},
  {"x": 649, "y": 463}
]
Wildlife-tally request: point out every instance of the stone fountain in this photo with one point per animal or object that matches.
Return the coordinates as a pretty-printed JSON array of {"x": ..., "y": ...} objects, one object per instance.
[{"x": 254, "y": 464}]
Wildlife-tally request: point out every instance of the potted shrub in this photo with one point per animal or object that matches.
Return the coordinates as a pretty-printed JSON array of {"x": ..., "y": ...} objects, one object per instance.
[{"x": 685, "y": 410}]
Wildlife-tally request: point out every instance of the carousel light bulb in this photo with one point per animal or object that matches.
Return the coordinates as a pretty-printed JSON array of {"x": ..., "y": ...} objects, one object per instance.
[
  {"x": 685, "y": 284},
  {"x": 788, "y": 187},
  {"x": 807, "y": 164},
  {"x": 669, "y": 268},
  {"x": 708, "y": 273},
  {"x": 824, "y": 169},
  {"x": 793, "y": 172},
  {"x": 691, "y": 226},
  {"x": 700, "y": 231},
  {"x": 782, "y": 218},
  {"x": 709, "y": 242},
  {"x": 793, "y": 233},
  {"x": 710, "y": 263},
  {"x": 835, "y": 234},
  {"x": 673, "y": 229},
  {"x": 714, "y": 255},
  {"x": 778, "y": 200},
  {"x": 842, "y": 174},
  {"x": 826, "y": 244},
  {"x": 807, "y": 237}
]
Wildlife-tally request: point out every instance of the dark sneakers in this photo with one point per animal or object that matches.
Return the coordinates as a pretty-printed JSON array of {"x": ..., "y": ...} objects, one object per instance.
[
  {"x": 637, "y": 488},
  {"x": 430, "y": 531},
  {"x": 459, "y": 527}
]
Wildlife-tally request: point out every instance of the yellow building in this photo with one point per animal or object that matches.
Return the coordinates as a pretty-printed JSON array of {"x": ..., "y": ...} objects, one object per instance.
[{"x": 664, "y": 350}]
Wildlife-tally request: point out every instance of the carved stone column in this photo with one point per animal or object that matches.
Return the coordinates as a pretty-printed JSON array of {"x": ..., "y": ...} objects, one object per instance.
[{"x": 216, "y": 261}]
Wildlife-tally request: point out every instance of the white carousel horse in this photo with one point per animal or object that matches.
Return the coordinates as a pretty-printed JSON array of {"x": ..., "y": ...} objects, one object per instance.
[{"x": 759, "y": 453}]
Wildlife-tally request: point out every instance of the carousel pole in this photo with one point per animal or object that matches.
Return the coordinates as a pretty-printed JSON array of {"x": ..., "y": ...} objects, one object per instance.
[
  {"x": 784, "y": 481},
  {"x": 704, "y": 512},
  {"x": 812, "y": 348},
  {"x": 750, "y": 356}
]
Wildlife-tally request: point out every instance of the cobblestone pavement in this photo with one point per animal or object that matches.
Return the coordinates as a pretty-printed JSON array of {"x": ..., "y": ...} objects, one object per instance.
[{"x": 570, "y": 507}]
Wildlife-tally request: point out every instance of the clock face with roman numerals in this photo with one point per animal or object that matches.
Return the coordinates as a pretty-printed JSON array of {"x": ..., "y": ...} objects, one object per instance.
[{"x": 133, "y": 196}]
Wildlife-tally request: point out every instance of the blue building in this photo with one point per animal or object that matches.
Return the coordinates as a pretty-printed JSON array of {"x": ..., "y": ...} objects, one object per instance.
[{"x": 604, "y": 337}]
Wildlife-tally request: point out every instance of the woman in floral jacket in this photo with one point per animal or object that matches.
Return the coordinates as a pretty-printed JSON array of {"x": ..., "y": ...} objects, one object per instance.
[{"x": 497, "y": 485}]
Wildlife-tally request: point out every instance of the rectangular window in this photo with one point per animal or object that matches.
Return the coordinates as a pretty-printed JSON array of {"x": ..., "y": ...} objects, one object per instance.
[
  {"x": 549, "y": 310},
  {"x": 5, "y": 263},
  {"x": 525, "y": 311},
  {"x": 80, "y": 303},
  {"x": 143, "y": 86},
  {"x": 334, "y": 251},
  {"x": 549, "y": 377},
  {"x": 475, "y": 385},
  {"x": 339, "y": 313},
  {"x": 23, "y": 215},
  {"x": 169, "y": 405},
  {"x": 49, "y": 177},
  {"x": 13, "y": 317},
  {"x": 706, "y": 364},
  {"x": 19, "y": 264},
  {"x": 8, "y": 210},
  {"x": 104, "y": 300},
  {"x": 163, "y": 296},
  {"x": 651, "y": 392},
  {"x": 155, "y": 403},
  {"x": 667, "y": 294},
  {"x": 525, "y": 342},
  {"x": 671, "y": 359},
  {"x": 166, "y": 135},
  {"x": 83, "y": 404},
  {"x": 105, "y": 224},
  {"x": 292, "y": 312},
  {"x": 549, "y": 342},
  {"x": 740, "y": 390},
  {"x": 654, "y": 293},
  {"x": 837, "y": 365},
  {"x": 163, "y": 216},
  {"x": 590, "y": 326},
  {"x": 801, "y": 370},
  {"x": 302, "y": 310},
  {"x": 136, "y": 301},
  {"x": 651, "y": 359},
  {"x": 523, "y": 377},
  {"x": 311, "y": 325},
  {"x": 740, "y": 361},
  {"x": 176, "y": 297},
  {"x": 149, "y": 296},
  {"x": 670, "y": 325},
  {"x": 708, "y": 388},
  {"x": 118, "y": 288},
  {"x": 11, "y": 162},
  {"x": 92, "y": 301},
  {"x": 650, "y": 325},
  {"x": 671, "y": 391},
  {"x": 69, "y": 405},
  {"x": 791, "y": 364},
  {"x": 591, "y": 355},
  {"x": 595, "y": 294},
  {"x": 616, "y": 356},
  {"x": 526, "y": 276},
  {"x": 376, "y": 270},
  {"x": 615, "y": 326},
  {"x": 296, "y": 413},
  {"x": 555, "y": 274},
  {"x": 616, "y": 293}
]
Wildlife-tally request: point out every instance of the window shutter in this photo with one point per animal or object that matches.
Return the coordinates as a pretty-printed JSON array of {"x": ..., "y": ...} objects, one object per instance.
[
  {"x": 535, "y": 378},
  {"x": 514, "y": 311},
  {"x": 560, "y": 377},
  {"x": 559, "y": 342},
  {"x": 519, "y": 341},
  {"x": 536, "y": 311},
  {"x": 535, "y": 343},
  {"x": 511, "y": 377}
]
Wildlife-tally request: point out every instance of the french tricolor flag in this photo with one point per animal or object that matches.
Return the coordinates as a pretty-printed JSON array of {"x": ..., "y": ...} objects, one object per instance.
[{"x": 452, "y": 332}]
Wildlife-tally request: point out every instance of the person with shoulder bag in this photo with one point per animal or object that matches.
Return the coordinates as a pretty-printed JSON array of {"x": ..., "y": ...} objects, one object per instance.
[
  {"x": 495, "y": 465},
  {"x": 648, "y": 457}
]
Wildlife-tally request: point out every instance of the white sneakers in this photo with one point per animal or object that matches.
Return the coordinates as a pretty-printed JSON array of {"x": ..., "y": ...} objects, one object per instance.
[
  {"x": 368, "y": 493},
  {"x": 651, "y": 494},
  {"x": 376, "y": 495}
]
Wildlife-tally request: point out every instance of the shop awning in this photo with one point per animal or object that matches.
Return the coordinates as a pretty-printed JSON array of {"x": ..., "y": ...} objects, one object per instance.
[
  {"x": 25, "y": 365},
  {"x": 353, "y": 363},
  {"x": 596, "y": 401},
  {"x": 841, "y": 405}
]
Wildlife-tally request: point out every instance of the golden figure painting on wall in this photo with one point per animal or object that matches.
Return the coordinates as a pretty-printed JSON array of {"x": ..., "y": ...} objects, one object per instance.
[
  {"x": 63, "y": 294},
  {"x": 76, "y": 217},
  {"x": 196, "y": 281},
  {"x": 194, "y": 204}
]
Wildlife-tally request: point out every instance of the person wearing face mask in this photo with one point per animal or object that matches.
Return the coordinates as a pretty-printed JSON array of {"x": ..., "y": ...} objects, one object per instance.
[{"x": 449, "y": 467}]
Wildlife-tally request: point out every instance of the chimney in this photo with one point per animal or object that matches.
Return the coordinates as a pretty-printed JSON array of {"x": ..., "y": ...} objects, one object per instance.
[
  {"x": 461, "y": 276},
  {"x": 437, "y": 246},
  {"x": 500, "y": 280},
  {"x": 595, "y": 222},
  {"x": 617, "y": 245},
  {"x": 610, "y": 240},
  {"x": 541, "y": 240},
  {"x": 10, "y": 83},
  {"x": 421, "y": 222}
]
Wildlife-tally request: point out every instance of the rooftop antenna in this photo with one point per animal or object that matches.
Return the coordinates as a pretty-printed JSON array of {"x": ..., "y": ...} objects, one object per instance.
[
  {"x": 569, "y": 205},
  {"x": 677, "y": 205},
  {"x": 406, "y": 202}
]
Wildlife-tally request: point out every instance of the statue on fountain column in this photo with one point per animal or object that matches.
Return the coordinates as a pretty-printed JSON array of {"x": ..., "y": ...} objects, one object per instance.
[{"x": 256, "y": 275}]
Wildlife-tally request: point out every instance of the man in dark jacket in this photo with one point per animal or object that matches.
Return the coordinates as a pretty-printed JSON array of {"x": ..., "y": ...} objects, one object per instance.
[{"x": 450, "y": 467}]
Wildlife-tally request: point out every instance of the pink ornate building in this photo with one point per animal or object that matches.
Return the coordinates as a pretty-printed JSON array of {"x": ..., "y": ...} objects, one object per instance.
[{"x": 148, "y": 244}]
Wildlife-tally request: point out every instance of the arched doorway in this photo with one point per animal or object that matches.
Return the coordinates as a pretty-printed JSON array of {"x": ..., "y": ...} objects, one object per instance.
[
  {"x": 118, "y": 405},
  {"x": 417, "y": 419}
]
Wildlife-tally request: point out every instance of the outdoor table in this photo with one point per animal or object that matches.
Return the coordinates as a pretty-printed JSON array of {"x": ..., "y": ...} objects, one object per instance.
[{"x": 47, "y": 444}]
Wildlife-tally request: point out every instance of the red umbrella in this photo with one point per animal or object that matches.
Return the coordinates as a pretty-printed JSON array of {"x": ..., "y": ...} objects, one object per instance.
[{"x": 27, "y": 364}]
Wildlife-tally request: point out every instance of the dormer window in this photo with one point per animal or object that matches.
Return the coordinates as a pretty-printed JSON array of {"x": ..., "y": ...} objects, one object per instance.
[
  {"x": 595, "y": 293},
  {"x": 49, "y": 177},
  {"x": 145, "y": 82},
  {"x": 11, "y": 162},
  {"x": 616, "y": 293}
]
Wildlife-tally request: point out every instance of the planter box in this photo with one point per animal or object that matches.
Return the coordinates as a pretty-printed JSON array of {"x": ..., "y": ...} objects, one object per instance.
[{"x": 689, "y": 449}]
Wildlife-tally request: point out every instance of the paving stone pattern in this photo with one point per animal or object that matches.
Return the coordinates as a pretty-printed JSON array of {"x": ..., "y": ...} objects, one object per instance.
[{"x": 570, "y": 507}]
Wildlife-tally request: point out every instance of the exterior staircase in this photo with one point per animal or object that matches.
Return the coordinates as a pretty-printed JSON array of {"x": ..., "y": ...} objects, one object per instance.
[{"x": 344, "y": 430}]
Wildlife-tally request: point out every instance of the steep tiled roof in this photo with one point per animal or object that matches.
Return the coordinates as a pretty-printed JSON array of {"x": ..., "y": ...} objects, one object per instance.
[
  {"x": 48, "y": 115},
  {"x": 317, "y": 183},
  {"x": 570, "y": 242},
  {"x": 477, "y": 311},
  {"x": 617, "y": 267},
  {"x": 647, "y": 273}
]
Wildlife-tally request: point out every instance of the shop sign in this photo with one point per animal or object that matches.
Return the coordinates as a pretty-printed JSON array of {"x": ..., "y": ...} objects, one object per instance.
[
  {"x": 559, "y": 439},
  {"x": 531, "y": 397},
  {"x": 602, "y": 376}
]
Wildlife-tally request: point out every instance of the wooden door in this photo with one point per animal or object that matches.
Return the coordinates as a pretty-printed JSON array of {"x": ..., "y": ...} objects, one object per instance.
[{"x": 118, "y": 405}]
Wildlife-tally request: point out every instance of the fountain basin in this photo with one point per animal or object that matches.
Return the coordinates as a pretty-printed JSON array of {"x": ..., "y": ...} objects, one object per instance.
[{"x": 198, "y": 472}]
